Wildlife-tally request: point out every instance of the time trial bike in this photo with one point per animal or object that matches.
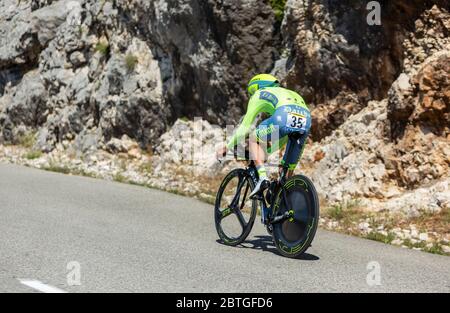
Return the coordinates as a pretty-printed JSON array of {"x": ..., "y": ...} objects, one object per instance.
[{"x": 289, "y": 209}]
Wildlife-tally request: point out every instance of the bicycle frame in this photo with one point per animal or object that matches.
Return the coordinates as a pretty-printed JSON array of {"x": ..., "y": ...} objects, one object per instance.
[
  {"x": 266, "y": 208},
  {"x": 266, "y": 211}
]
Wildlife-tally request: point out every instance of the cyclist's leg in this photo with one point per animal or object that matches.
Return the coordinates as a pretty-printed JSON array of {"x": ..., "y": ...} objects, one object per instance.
[
  {"x": 258, "y": 145},
  {"x": 266, "y": 132},
  {"x": 257, "y": 152},
  {"x": 294, "y": 152},
  {"x": 278, "y": 145},
  {"x": 295, "y": 147},
  {"x": 267, "y": 139},
  {"x": 276, "y": 136}
]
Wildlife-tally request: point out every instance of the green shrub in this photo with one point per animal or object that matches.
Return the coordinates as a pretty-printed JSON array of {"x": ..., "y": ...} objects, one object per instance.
[
  {"x": 435, "y": 249},
  {"x": 347, "y": 209},
  {"x": 146, "y": 167},
  {"x": 119, "y": 178},
  {"x": 102, "y": 47},
  {"x": 336, "y": 212},
  {"x": 27, "y": 140},
  {"x": 278, "y": 9},
  {"x": 82, "y": 172},
  {"x": 31, "y": 155},
  {"x": 57, "y": 168},
  {"x": 184, "y": 119},
  {"x": 130, "y": 62},
  {"x": 380, "y": 237}
]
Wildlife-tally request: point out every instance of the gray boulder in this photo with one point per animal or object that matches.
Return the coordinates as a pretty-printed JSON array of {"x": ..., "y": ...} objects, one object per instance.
[{"x": 28, "y": 102}]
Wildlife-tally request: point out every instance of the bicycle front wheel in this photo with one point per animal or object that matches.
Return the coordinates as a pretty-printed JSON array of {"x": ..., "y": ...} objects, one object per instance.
[{"x": 234, "y": 211}]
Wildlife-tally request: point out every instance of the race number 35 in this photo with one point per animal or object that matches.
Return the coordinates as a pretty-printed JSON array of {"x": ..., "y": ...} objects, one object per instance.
[{"x": 296, "y": 121}]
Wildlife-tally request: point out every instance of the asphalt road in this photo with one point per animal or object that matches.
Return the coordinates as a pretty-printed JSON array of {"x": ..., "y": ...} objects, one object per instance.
[{"x": 131, "y": 239}]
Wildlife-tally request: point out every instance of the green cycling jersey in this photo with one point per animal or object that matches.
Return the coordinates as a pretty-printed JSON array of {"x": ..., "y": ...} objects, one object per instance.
[{"x": 265, "y": 100}]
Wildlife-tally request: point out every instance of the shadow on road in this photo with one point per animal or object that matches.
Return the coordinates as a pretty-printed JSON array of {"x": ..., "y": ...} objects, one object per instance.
[{"x": 265, "y": 243}]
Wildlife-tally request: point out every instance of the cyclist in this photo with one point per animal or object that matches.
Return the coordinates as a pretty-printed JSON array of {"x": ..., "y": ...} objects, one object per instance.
[{"x": 288, "y": 113}]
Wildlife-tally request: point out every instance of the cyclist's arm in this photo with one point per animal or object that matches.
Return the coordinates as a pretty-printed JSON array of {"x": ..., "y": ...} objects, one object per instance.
[{"x": 255, "y": 106}]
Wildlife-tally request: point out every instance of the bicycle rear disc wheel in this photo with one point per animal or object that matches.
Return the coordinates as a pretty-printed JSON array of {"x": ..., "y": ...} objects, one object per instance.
[
  {"x": 293, "y": 236},
  {"x": 234, "y": 211}
]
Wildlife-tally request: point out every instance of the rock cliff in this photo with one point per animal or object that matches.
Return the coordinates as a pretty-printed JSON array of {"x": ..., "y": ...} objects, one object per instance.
[
  {"x": 88, "y": 71},
  {"x": 81, "y": 75}
]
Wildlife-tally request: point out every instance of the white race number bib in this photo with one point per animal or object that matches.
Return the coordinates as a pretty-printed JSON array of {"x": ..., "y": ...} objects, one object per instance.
[{"x": 295, "y": 120}]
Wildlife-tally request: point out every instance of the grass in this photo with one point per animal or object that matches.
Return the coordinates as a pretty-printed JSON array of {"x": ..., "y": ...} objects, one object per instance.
[
  {"x": 82, "y": 29},
  {"x": 33, "y": 154},
  {"x": 278, "y": 9},
  {"x": 349, "y": 215},
  {"x": 336, "y": 212},
  {"x": 435, "y": 248},
  {"x": 432, "y": 222},
  {"x": 380, "y": 237},
  {"x": 27, "y": 140},
  {"x": 146, "y": 168},
  {"x": 123, "y": 164},
  {"x": 57, "y": 168},
  {"x": 66, "y": 170},
  {"x": 346, "y": 210},
  {"x": 84, "y": 173},
  {"x": 207, "y": 184},
  {"x": 135, "y": 183},
  {"x": 131, "y": 61},
  {"x": 120, "y": 178},
  {"x": 102, "y": 47}
]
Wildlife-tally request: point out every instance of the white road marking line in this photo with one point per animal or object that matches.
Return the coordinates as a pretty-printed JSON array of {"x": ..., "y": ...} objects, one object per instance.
[{"x": 36, "y": 284}]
